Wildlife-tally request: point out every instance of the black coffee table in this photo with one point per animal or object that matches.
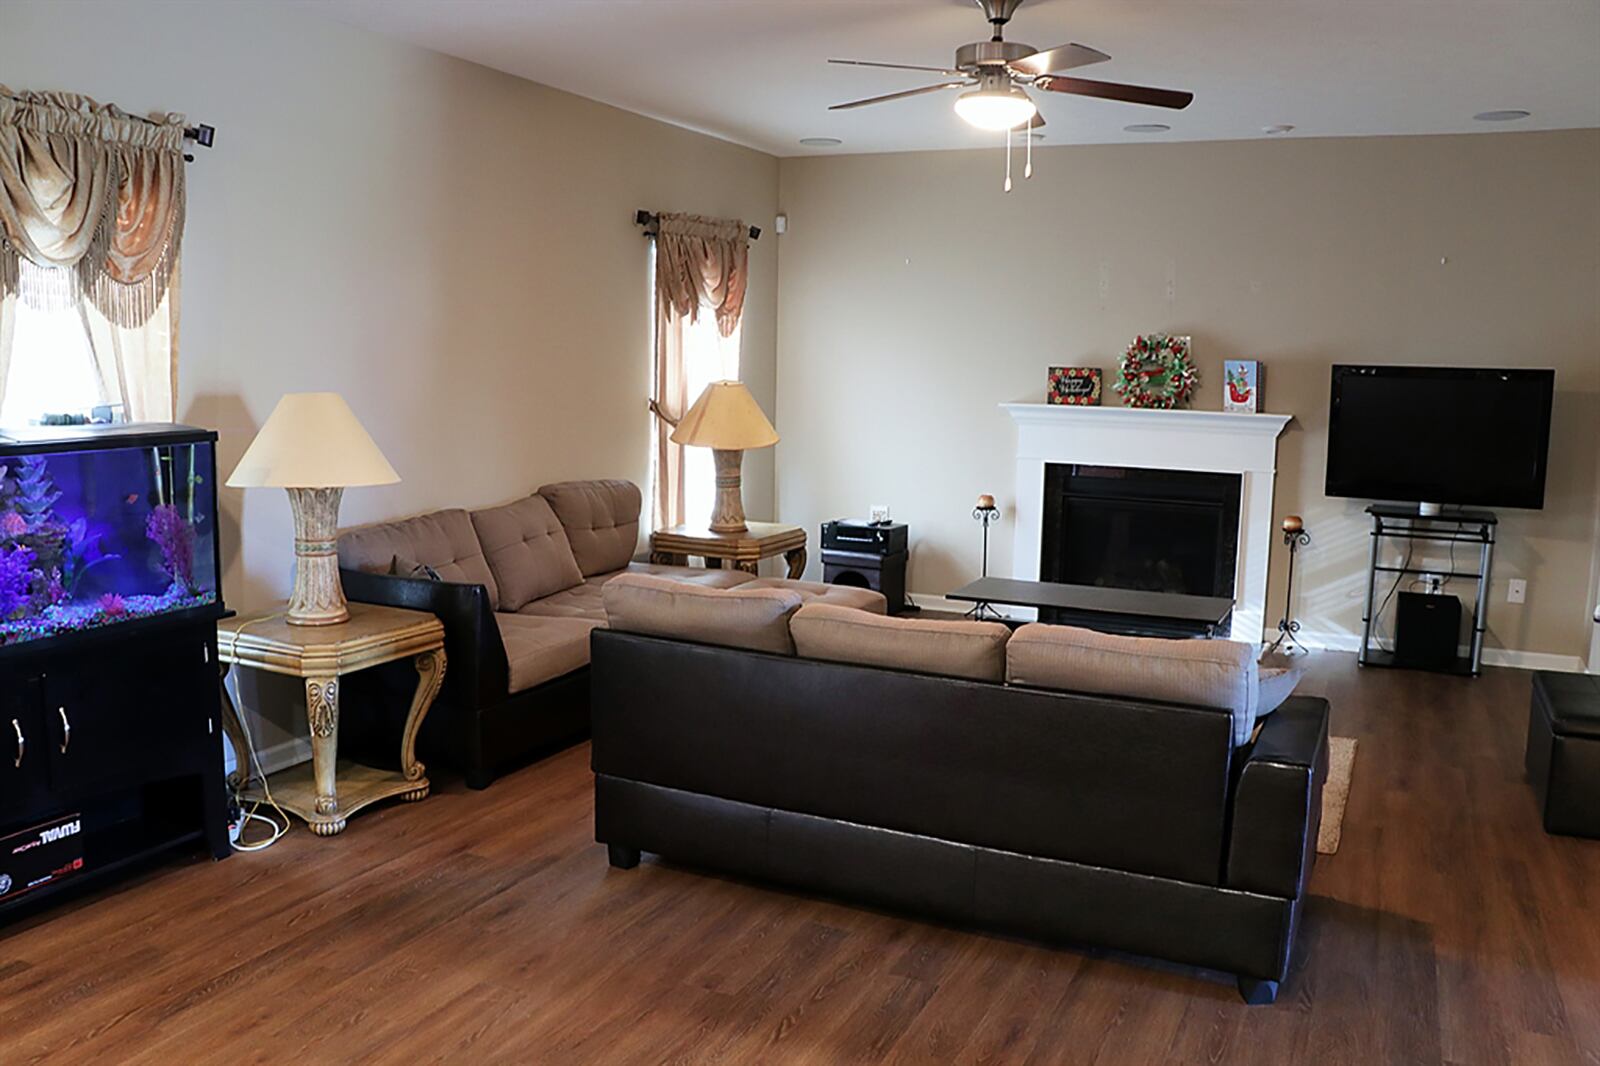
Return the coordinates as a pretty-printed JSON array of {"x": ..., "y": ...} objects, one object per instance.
[{"x": 1128, "y": 611}]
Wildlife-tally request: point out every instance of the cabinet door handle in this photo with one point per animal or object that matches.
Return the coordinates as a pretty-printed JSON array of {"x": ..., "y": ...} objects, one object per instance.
[
  {"x": 22, "y": 745},
  {"x": 66, "y": 729}
]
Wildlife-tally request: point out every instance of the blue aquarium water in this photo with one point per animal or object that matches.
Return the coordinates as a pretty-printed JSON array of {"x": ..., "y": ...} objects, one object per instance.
[{"x": 104, "y": 533}]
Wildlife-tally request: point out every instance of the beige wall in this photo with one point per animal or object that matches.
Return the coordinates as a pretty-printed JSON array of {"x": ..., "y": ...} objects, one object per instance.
[
  {"x": 916, "y": 296},
  {"x": 450, "y": 247}
]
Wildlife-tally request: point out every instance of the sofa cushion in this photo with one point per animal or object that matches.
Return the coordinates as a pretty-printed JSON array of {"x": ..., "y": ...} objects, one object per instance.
[
  {"x": 833, "y": 595},
  {"x": 580, "y": 601},
  {"x": 601, "y": 519},
  {"x": 1203, "y": 673},
  {"x": 444, "y": 540},
  {"x": 1278, "y": 676},
  {"x": 543, "y": 649},
  {"x": 975, "y": 650},
  {"x": 693, "y": 575},
  {"x": 757, "y": 619},
  {"x": 527, "y": 550},
  {"x": 586, "y": 601}
]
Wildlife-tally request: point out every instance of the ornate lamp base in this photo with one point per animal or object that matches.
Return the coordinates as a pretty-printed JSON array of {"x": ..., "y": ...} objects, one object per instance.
[
  {"x": 318, "y": 598},
  {"x": 727, "y": 514}
]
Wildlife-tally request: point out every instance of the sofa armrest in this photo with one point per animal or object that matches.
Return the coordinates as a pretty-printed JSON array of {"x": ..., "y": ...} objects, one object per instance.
[
  {"x": 476, "y": 673},
  {"x": 1277, "y": 801}
]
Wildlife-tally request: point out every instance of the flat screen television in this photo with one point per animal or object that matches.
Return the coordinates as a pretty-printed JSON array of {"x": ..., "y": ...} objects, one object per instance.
[{"x": 1439, "y": 435}]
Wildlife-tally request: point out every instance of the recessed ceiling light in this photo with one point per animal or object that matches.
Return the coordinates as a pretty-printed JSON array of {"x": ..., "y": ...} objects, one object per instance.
[
  {"x": 1508, "y": 115},
  {"x": 1147, "y": 127},
  {"x": 821, "y": 142},
  {"x": 1273, "y": 131}
]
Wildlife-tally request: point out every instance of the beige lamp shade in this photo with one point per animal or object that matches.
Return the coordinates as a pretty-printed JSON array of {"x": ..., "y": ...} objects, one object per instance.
[
  {"x": 725, "y": 416},
  {"x": 312, "y": 440}
]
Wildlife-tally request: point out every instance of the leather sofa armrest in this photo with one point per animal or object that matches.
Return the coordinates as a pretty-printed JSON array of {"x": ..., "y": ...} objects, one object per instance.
[
  {"x": 477, "y": 673},
  {"x": 1277, "y": 801}
]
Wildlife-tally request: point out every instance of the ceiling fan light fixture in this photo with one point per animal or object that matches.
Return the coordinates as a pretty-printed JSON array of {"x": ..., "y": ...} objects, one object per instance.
[{"x": 996, "y": 109}]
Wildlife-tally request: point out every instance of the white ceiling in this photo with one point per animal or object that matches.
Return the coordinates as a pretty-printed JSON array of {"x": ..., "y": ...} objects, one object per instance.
[{"x": 754, "y": 71}]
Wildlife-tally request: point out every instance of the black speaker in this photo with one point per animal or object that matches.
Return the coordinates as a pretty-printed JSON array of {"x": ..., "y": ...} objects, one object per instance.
[{"x": 1427, "y": 628}]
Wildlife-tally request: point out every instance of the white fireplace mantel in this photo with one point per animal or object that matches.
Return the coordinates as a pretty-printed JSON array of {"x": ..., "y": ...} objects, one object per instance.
[{"x": 1215, "y": 441}]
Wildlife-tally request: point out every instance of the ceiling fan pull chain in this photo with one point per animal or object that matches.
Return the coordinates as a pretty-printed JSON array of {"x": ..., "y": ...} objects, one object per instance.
[
  {"x": 1027, "y": 171},
  {"x": 1008, "y": 159}
]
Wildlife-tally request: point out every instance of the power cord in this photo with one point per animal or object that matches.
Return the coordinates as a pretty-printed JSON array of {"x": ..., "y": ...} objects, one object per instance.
[{"x": 251, "y": 756}]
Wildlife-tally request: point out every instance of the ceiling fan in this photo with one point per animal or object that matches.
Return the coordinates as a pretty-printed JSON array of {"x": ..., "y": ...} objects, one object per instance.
[{"x": 996, "y": 74}]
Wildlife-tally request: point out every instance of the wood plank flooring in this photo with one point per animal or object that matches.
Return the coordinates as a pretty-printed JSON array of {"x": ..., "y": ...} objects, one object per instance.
[{"x": 486, "y": 927}]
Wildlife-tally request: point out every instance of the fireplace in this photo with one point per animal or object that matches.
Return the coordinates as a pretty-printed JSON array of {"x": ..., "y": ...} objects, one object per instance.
[
  {"x": 1169, "y": 446},
  {"x": 1137, "y": 528}
]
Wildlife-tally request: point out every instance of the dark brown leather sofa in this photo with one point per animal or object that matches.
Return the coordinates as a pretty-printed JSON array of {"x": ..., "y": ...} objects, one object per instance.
[
  {"x": 518, "y": 588},
  {"x": 1130, "y": 825}
]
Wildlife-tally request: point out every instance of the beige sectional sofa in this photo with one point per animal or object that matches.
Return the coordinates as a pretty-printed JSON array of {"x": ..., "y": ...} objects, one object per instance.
[{"x": 519, "y": 587}]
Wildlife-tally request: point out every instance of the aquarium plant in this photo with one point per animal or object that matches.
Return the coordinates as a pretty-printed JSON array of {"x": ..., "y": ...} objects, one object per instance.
[{"x": 174, "y": 535}]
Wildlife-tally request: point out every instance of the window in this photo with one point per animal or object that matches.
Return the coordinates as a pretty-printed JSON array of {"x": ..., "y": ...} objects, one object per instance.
[
  {"x": 52, "y": 367},
  {"x": 707, "y": 356}
]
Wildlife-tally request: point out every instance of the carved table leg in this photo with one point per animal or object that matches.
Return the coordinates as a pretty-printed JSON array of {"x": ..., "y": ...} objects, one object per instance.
[
  {"x": 322, "y": 711},
  {"x": 750, "y": 566},
  {"x": 234, "y": 732},
  {"x": 430, "y": 675},
  {"x": 796, "y": 558}
]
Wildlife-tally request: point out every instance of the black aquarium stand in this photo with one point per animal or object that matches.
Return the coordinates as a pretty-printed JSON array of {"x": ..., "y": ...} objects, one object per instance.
[{"x": 1401, "y": 523}]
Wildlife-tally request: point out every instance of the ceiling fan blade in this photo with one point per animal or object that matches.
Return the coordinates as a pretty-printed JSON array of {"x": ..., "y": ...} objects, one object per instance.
[
  {"x": 895, "y": 66},
  {"x": 898, "y": 96},
  {"x": 1110, "y": 90},
  {"x": 1053, "y": 60}
]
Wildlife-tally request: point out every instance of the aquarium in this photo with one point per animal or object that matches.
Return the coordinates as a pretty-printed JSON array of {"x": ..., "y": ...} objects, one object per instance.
[{"x": 104, "y": 525}]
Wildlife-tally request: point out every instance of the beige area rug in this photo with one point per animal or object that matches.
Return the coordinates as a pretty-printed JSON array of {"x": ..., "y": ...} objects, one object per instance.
[{"x": 1336, "y": 792}]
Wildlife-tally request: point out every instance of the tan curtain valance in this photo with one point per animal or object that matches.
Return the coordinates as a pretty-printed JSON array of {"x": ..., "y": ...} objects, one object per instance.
[
  {"x": 91, "y": 204},
  {"x": 702, "y": 261}
]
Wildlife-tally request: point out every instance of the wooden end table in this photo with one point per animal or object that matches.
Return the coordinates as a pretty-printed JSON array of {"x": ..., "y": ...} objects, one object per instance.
[
  {"x": 742, "y": 551},
  {"x": 329, "y": 790}
]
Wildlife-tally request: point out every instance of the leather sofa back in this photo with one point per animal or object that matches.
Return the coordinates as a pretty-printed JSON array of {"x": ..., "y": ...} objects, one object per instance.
[{"x": 1122, "y": 784}]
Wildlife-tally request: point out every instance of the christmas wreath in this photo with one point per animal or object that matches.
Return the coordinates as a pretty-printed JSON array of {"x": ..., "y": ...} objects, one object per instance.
[{"x": 1156, "y": 372}]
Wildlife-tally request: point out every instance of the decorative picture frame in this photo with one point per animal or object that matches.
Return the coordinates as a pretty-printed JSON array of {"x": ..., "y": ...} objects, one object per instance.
[
  {"x": 1241, "y": 385},
  {"x": 1074, "y": 385}
]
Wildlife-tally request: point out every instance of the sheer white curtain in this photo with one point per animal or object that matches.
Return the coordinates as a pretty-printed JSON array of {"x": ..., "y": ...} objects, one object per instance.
[{"x": 707, "y": 356}]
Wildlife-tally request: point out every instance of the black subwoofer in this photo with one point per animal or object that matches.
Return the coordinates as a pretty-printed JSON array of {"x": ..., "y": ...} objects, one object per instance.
[
  {"x": 1427, "y": 628},
  {"x": 865, "y": 556}
]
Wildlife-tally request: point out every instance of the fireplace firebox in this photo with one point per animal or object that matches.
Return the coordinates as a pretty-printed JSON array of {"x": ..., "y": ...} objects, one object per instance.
[{"x": 1137, "y": 528}]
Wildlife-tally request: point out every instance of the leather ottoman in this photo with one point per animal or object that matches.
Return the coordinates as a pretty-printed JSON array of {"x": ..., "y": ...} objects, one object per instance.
[{"x": 1563, "y": 759}]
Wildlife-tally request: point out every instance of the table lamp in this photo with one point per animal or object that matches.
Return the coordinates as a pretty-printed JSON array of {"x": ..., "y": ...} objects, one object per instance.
[
  {"x": 726, "y": 419},
  {"x": 313, "y": 446}
]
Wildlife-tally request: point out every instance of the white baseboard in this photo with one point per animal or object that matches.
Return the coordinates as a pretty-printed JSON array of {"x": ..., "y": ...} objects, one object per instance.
[
  {"x": 1510, "y": 657},
  {"x": 280, "y": 756},
  {"x": 1329, "y": 641}
]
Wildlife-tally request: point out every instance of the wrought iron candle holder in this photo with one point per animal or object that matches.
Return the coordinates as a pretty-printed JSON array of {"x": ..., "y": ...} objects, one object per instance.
[
  {"x": 987, "y": 513},
  {"x": 1295, "y": 537}
]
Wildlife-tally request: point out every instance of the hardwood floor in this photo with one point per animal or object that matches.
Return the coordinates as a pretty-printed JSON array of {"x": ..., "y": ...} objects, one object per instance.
[{"x": 487, "y": 927}]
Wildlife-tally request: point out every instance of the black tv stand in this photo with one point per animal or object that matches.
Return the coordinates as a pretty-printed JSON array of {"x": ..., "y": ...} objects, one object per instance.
[{"x": 1401, "y": 522}]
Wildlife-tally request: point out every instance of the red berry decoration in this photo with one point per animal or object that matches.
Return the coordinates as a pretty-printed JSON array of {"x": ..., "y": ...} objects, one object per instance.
[{"x": 1156, "y": 372}]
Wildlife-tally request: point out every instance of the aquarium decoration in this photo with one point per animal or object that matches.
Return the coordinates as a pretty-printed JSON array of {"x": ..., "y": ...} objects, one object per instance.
[{"x": 81, "y": 547}]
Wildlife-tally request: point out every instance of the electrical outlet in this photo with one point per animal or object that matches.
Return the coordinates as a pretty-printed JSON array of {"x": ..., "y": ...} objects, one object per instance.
[
  {"x": 1516, "y": 591},
  {"x": 878, "y": 512}
]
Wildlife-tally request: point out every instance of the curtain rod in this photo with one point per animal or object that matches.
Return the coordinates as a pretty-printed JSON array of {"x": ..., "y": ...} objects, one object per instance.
[{"x": 650, "y": 219}]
